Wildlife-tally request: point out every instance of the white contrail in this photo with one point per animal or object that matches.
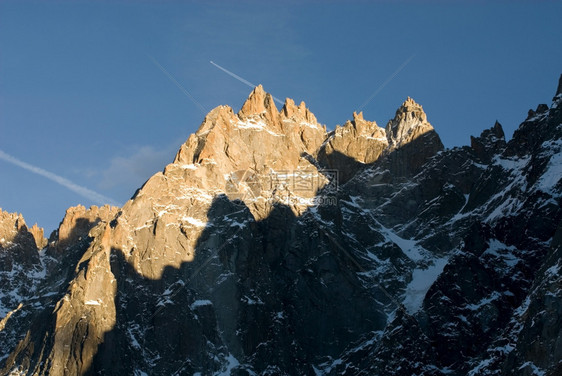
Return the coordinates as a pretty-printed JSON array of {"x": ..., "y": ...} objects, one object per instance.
[
  {"x": 386, "y": 82},
  {"x": 184, "y": 90},
  {"x": 82, "y": 191},
  {"x": 242, "y": 80}
]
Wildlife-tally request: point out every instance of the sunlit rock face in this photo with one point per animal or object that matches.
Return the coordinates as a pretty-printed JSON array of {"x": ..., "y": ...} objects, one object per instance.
[
  {"x": 271, "y": 246},
  {"x": 356, "y": 143}
]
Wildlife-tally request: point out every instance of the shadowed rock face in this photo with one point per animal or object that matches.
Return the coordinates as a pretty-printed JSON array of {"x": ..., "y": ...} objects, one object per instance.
[
  {"x": 352, "y": 145},
  {"x": 246, "y": 256},
  {"x": 34, "y": 287},
  {"x": 490, "y": 143},
  {"x": 18, "y": 243},
  {"x": 408, "y": 141},
  {"x": 19, "y": 262},
  {"x": 76, "y": 224}
]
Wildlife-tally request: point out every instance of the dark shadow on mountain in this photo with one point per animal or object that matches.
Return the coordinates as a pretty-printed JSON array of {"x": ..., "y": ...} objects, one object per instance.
[
  {"x": 269, "y": 293},
  {"x": 21, "y": 250},
  {"x": 346, "y": 166},
  {"x": 404, "y": 161},
  {"x": 82, "y": 226},
  {"x": 40, "y": 323},
  {"x": 408, "y": 160},
  {"x": 272, "y": 293}
]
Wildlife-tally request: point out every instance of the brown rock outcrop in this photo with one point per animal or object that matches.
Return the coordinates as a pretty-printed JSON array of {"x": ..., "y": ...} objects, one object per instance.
[
  {"x": 39, "y": 236},
  {"x": 257, "y": 145},
  {"x": 17, "y": 244},
  {"x": 409, "y": 123},
  {"x": 76, "y": 224},
  {"x": 356, "y": 142},
  {"x": 412, "y": 139}
]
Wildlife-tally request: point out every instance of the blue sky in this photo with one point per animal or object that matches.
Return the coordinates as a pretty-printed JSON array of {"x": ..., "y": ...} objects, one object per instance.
[{"x": 81, "y": 98}]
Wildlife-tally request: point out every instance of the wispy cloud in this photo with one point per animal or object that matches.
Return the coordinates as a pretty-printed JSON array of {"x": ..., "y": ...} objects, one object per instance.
[
  {"x": 82, "y": 191},
  {"x": 132, "y": 170}
]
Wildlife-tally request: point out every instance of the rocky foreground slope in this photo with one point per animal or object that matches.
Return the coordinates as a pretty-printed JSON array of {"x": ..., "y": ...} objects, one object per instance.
[{"x": 271, "y": 246}]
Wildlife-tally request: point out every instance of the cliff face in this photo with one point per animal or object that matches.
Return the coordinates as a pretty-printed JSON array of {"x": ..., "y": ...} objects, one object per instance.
[
  {"x": 270, "y": 246},
  {"x": 20, "y": 262}
]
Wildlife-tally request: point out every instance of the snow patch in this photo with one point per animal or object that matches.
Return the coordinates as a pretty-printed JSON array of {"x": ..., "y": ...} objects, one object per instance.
[
  {"x": 194, "y": 221},
  {"x": 409, "y": 247},
  {"x": 200, "y": 303},
  {"x": 422, "y": 279},
  {"x": 536, "y": 370},
  {"x": 232, "y": 363},
  {"x": 553, "y": 270},
  {"x": 553, "y": 172},
  {"x": 235, "y": 223},
  {"x": 310, "y": 125},
  {"x": 495, "y": 249},
  {"x": 251, "y": 301},
  {"x": 511, "y": 164},
  {"x": 189, "y": 166},
  {"x": 255, "y": 125},
  {"x": 485, "y": 301}
]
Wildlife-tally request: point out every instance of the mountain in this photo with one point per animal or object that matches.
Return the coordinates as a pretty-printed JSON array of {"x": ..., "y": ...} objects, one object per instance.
[{"x": 270, "y": 246}]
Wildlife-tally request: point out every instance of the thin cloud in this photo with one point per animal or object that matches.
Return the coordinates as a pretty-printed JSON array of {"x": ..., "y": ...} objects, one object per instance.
[
  {"x": 82, "y": 191},
  {"x": 132, "y": 170}
]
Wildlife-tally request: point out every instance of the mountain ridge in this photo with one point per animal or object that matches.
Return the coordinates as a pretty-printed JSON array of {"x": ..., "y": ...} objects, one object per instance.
[{"x": 271, "y": 246}]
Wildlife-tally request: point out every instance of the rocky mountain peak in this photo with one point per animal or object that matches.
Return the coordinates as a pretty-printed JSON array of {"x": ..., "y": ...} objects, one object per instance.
[
  {"x": 356, "y": 143},
  {"x": 39, "y": 236},
  {"x": 493, "y": 134},
  {"x": 254, "y": 136},
  {"x": 76, "y": 224},
  {"x": 411, "y": 138},
  {"x": 489, "y": 143},
  {"x": 11, "y": 224},
  {"x": 259, "y": 103},
  {"x": 14, "y": 229},
  {"x": 17, "y": 246},
  {"x": 540, "y": 111},
  {"x": 298, "y": 113},
  {"x": 257, "y": 143},
  {"x": 412, "y": 107},
  {"x": 367, "y": 128},
  {"x": 409, "y": 123},
  {"x": 498, "y": 130}
]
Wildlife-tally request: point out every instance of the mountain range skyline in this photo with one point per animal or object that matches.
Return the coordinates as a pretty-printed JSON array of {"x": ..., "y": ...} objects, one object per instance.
[
  {"x": 419, "y": 260},
  {"x": 82, "y": 97}
]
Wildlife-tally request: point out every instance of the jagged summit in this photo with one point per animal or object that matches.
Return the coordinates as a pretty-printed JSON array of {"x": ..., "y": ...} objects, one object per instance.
[
  {"x": 409, "y": 123},
  {"x": 366, "y": 128},
  {"x": 259, "y": 103},
  {"x": 300, "y": 112},
  {"x": 264, "y": 139},
  {"x": 357, "y": 142},
  {"x": 13, "y": 229},
  {"x": 489, "y": 143},
  {"x": 75, "y": 225}
]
